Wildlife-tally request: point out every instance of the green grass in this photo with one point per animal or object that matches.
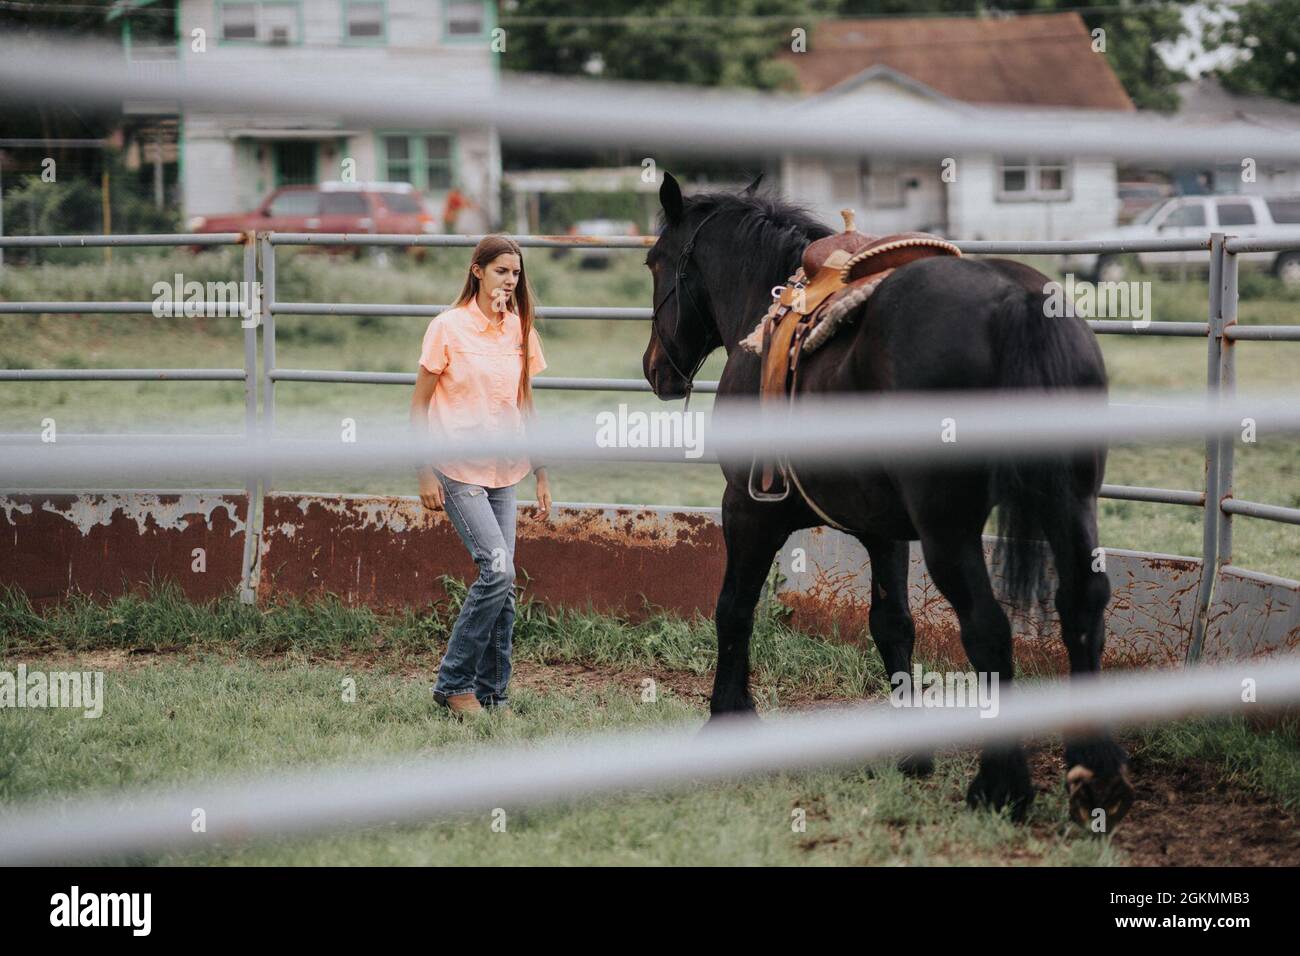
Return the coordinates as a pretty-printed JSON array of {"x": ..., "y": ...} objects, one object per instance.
[
  {"x": 249, "y": 691},
  {"x": 1266, "y": 471}
]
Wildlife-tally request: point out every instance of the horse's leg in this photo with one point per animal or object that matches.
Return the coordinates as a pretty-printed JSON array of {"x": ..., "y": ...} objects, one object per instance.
[
  {"x": 956, "y": 563},
  {"x": 753, "y": 537},
  {"x": 1096, "y": 766},
  {"x": 891, "y": 625}
]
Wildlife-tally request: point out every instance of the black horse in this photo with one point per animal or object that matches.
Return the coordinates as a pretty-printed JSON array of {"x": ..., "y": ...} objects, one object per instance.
[{"x": 935, "y": 324}]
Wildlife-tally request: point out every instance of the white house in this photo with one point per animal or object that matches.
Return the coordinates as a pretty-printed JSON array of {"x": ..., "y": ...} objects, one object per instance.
[
  {"x": 229, "y": 161},
  {"x": 1204, "y": 102},
  {"x": 923, "y": 72}
]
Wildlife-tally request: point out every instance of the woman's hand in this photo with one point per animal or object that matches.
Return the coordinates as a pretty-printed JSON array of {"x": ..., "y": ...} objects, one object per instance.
[
  {"x": 430, "y": 490},
  {"x": 543, "y": 492}
]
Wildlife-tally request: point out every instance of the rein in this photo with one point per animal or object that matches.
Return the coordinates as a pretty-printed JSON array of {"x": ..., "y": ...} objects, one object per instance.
[{"x": 682, "y": 261}]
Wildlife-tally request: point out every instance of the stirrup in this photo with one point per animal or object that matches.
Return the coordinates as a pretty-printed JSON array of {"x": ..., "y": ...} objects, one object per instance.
[{"x": 758, "y": 495}]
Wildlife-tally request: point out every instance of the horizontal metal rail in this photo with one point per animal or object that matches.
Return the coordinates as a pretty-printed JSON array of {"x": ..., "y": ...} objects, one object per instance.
[
  {"x": 1235, "y": 245},
  {"x": 455, "y": 241},
  {"x": 1255, "y": 509},
  {"x": 1119, "y": 327},
  {"x": 207, "y": 310},
  {"x": 430, "y": 311},
  {"x": 408, "y": 378},
  {"x": 123, "y": 375},
  {"x": 122, "y": 438},
  {"x": 1263, "y": 333},
  {"x": 1047, "y": 247},
  {"x": 144, "y": 239},
  {"x": 1164, "y": 496}
]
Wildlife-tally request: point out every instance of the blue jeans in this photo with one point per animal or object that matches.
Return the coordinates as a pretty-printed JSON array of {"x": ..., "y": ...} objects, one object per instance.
[{"x": 478, "y": 655}]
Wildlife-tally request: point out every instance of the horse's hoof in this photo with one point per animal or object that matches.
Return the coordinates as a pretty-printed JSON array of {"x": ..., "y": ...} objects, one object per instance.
[
  {"x": 1002, "y": 781},
  {"x": 1112, "y": 794},
  {"x": 917, "y": 765},
  {"x": 730, "y": 718}
]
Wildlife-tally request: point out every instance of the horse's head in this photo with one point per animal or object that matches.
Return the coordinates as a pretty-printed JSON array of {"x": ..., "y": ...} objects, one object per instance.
[{"x": 684, "y": 330}]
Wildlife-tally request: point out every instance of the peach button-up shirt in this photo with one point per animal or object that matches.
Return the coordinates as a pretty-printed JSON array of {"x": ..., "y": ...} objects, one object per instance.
[{"x": 478, "y": 361}]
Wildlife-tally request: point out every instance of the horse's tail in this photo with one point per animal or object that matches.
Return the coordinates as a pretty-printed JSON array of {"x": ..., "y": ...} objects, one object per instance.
[{"x": 1035, "y": 493}]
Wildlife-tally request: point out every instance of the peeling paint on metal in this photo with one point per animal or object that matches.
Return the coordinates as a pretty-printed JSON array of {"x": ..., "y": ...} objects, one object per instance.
[
  {"x": 107, "y": 543},
  {"x": 171, "y": 512},
  {"x": 10, "y": 506}
]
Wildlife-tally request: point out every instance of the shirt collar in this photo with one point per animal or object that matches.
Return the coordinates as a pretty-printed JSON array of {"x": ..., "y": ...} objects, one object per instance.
[{"x": 481, "y": 321}]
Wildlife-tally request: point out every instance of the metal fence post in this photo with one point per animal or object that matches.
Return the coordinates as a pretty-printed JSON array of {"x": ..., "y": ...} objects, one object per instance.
[
  {"x": 249, "y": 320},
  {"x": 1213, "y": 444},
  {"x": 268, "y": 347},
  {"x": 1228, "y": 386}
]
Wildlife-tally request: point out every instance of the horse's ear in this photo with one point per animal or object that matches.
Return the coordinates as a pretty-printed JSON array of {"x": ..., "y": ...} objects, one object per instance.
[
  {"x": 750, "y": 189},
  {"x": 670, "y": 197}
]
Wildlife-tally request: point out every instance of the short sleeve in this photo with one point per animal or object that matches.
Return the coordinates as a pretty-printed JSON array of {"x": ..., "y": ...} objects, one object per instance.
[
  {"x": 433, "y": 353},
  {"x": 536, "y": 360}
]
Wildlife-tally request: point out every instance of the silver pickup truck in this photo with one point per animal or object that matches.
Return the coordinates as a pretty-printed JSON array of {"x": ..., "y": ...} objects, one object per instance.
[{"x": 1195, "y": 217}]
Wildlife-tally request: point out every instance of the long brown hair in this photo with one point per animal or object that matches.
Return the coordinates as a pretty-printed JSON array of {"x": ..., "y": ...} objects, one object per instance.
[{"x": 521, "y": 300}]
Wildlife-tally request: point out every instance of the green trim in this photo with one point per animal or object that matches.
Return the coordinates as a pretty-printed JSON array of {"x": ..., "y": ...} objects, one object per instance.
[
  {"x": 258, "y": 5},
  {"x": 489, "y": 20},
  {"x": 418, "y": 161},
  {"x": 122, "y": 7},
  {"x": 345, "y": 40}
]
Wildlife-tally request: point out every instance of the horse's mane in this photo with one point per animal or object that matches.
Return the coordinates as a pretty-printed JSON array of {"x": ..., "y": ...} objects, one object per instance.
[{"x": 772, "y": 231}]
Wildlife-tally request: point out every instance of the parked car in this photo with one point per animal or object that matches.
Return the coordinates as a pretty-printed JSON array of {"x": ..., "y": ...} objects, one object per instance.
[
  {"x": 375, "y": 208},
  {"x": 1195, "y": 217},
  {"x": 599, "y": 258},
  {"x": 1136, "y": 198}
]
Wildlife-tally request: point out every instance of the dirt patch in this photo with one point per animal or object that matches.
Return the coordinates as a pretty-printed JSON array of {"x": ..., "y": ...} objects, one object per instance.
[
  {"x": 566, "y": 676},
  {"x": 1185, "y": 814}
]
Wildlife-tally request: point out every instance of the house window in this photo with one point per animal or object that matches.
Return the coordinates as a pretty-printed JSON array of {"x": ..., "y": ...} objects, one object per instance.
[
  {"x": 363, "y": 21},
  {"x": 881, "y": 186},
  {"x": 464, "y": 19},
  {"x": 274, "y": 22},
  {"x": 1032, "y": 178},
  {"x": 423, "y": 160},
  {"x": 239, "y": 21}
]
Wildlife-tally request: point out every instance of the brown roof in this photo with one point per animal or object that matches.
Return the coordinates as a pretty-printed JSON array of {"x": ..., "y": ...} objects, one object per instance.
[{"x": 1041, "y": 60}]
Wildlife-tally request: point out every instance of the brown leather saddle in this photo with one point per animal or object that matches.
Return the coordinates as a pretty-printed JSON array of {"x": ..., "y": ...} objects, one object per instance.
[{"x": 837, "y": 274}]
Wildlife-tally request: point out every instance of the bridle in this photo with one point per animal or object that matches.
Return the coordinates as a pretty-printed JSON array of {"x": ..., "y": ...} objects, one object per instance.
[{"x": 682, "y": 260}]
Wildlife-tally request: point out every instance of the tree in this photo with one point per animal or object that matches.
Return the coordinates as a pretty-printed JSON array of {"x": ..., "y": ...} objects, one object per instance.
[
  {"x": 669, "y": 41},
  {"x": 711, "y": 43},
  {"x": 1268, "y": 33}
]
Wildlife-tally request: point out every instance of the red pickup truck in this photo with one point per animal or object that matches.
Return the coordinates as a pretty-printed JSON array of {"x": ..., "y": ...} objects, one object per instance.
[{"x": 376, "y": 208}]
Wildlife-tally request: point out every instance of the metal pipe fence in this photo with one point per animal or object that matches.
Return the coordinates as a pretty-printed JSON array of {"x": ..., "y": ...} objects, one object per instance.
[{"x": 1221, "y": 331}]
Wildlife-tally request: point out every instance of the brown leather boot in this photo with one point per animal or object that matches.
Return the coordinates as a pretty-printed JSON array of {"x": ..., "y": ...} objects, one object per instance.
[{"x": 461, "y": 705}]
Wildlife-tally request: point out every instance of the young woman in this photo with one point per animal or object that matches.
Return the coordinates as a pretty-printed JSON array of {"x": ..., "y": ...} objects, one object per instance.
[{"x": 473, "y": 379}]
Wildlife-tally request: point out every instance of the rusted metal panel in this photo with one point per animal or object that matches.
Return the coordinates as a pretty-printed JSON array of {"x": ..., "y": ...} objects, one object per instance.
[
  {"x": 1252, "y": 615},
  {"x": 827, "y": 579},
  {"x": 104, "y": 544},
  {"x": 387, "y": 552},
  {"x": 390, "y": 551}
]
